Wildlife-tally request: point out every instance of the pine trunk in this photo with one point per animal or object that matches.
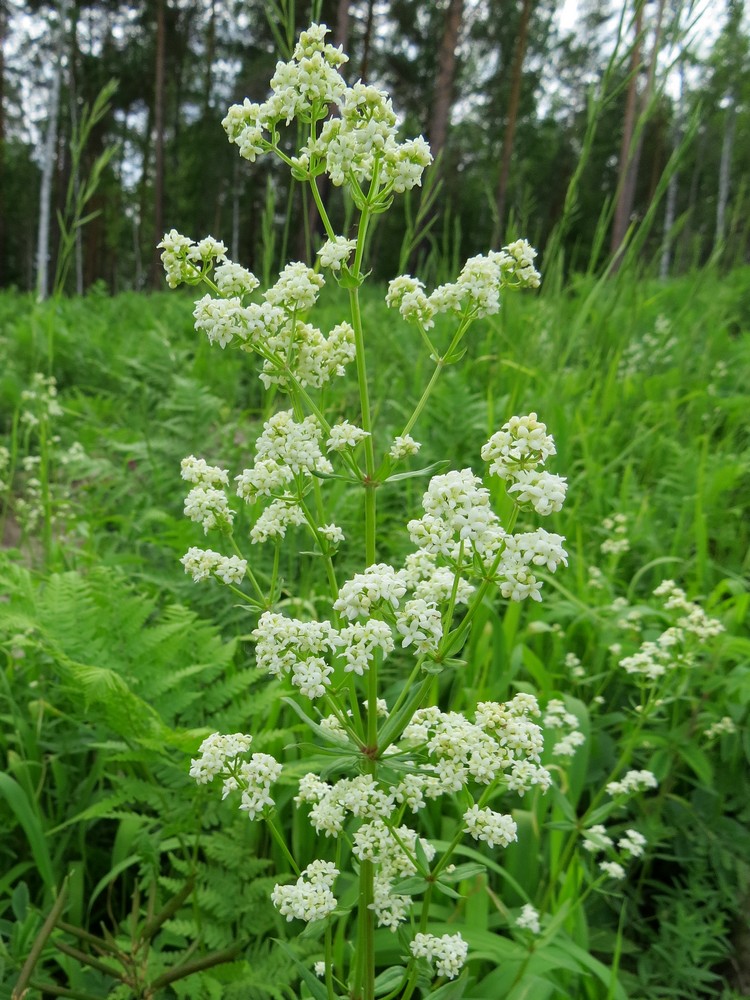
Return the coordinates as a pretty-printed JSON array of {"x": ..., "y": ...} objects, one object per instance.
[
  {"x": 48, "y": 162},
  {"x": 446, "y": 75},
  {"x": 158, "y": 216},
  {"x": 511, "y": 121},
  {"x": 724, "y": 171}
]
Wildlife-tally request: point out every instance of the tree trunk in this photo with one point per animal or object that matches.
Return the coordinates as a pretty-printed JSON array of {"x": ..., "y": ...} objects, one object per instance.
[
  {"x": 630, "y": 160},
  {"x": 210, "y": 53},
  {"x": 3, "y": 26},
  {"x": 670, "y": 211},
  {"x": 446, "y": 75},
  {"x": 367, "y": 41},
  {"x": 725, "y": 170},
  {"x": 48, "y": 162},
  {"x": 342, "y": 25},
  {"x": 158, "y": 217},
  {"x": 511, "y": 120}
]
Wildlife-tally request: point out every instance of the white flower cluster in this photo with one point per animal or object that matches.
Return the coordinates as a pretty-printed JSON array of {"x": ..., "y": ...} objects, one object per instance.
[
  {"x": 311, "y": 897},
  {"x": 631, "y": 844},
  {"x": 286, "y": 448},
  {"x": 359, "y": 642},
  {"x": 723, "y": 727},
  {"x": 345, "y": 435},
  {"x": 218, "y": 752},
  {"x": 632, "y": 782},
  {"x": 189, "y": 262},
  {"x": 352, "y": 146},
  {"x": 448, "y": 953},
  {"x": 693, "y": 619},
  {"x": 336, "y": 252},
  {"x": 420, "y": 625},
  {"x": 209, "y": 507},
  {"x": 365, "y": 591},
  {"x": 289, "y": 646},
  {"x": 206, "y": 503},
  {"x": 204, "y": 563},
  {"x": 220, "y": 757},
  {"x": 432, "y": 583},
  {"x": 363, "y": 139},
  {"x": 521, "y": 444},
  {"x": 556, "y": 716},
  {"x": 403, "y": 446},
  {"x": 476, "y": 291},
  {"x": 492, "y": 827},
  {"x": 292, "y": 350},
  {"x": 457, "y": 510},
  {"x": 40, "y": 401},
  {"x": 655, "y": 657},
  {"x": 521, "y": 554},
  {"x": 502, "y": 742},
  {"x": 281, "y": 513},
  {"x": 528, "y": 919},
  {"x": 618, "y": 541}
]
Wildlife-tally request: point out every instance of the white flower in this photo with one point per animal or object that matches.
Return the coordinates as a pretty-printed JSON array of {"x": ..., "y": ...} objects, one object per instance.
[
  {"x": 255, "y": 779},
  {"x": 521, "y": 444},
  {"x": 275, "y": 519},
  {"x": 336, "y": 252},
  {"x": 217, "y": 752},
  {"x": 542, "y": 491},
  {"x": 596, "y": 839},
  {"x": 232, "y": 279},
  {"x": 379, "y": 582},
  {"x": 195, "y": 470},
  {"x": 448, "y": 952},
  {"x": 404, "y": 445},
  {"x": 632, "y": 843},
  {"x": 209, "y": 506},
  {"x": 310, "y": 898},
  {"x": 633, "y": 781},
  {"x": 529, "y": 919},
  {"x": 612, "y": 868},
  {"x": 359, "y": 642},
  {"x": 407, "y": 295},
  {"x": 492, "y": 827},
  {"x": 345, "y": 435},
  {"x": 420, "y": 624},
  {"x": 297, "y": 288}
]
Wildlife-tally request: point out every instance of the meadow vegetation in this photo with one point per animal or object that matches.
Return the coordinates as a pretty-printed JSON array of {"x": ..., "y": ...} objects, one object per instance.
[
  {"x": 392, "y": 650},
  {"x": 115, "y": 662}
]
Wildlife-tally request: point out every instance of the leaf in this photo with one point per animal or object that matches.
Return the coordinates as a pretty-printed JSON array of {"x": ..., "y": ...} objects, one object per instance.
[
  {"x": 30, "y": 821},
  {"x": 315, "y": 986},
  {"x": 452, "y": 991},
  {"x": 461, "y": 872},
  {"x": 426, "y": 471},
  {"x": 410, "y": 886},
  {"x": 387, "y": 981}
]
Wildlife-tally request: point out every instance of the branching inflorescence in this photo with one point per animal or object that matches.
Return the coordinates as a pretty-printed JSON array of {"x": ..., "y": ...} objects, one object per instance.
[{"x": 385, "y": 762}]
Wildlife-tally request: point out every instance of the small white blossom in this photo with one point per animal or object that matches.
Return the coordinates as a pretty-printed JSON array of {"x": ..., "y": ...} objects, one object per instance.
[
  {"x": 310, "y": 898},
  {"x": 404, "y": 445},
  {"x": 528, "y": 919},
  {"x": 336, "y": 252},
  {"x": 492, "y": 827},
  {"x": 448, "y": 953}
]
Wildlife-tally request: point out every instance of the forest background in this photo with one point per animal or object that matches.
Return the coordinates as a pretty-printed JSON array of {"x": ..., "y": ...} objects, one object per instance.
[{"x": 575, "y": 125}]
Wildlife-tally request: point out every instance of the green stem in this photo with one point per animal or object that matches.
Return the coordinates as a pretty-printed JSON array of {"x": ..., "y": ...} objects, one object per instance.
[
  {"x": 439, "y": 366},
  {"x": 277, "y": 836}
]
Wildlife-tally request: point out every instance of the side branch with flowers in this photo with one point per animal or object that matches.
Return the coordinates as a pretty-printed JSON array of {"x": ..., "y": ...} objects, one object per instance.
[{"x": 383, "y": 763}]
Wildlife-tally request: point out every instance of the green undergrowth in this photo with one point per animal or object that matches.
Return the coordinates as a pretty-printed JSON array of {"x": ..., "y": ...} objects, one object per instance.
[{"x": 116, "y": 664}]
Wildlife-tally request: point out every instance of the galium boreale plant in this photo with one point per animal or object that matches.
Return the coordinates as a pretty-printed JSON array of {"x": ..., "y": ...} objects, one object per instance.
[{"x": 374, "y": 766}]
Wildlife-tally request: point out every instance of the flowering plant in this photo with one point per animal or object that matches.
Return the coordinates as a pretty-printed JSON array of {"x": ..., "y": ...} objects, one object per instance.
[{"x": 377, "y": 764}]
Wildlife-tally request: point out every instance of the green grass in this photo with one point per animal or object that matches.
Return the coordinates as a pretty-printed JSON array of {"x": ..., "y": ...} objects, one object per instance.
[{"x": 115, "y": 662}]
